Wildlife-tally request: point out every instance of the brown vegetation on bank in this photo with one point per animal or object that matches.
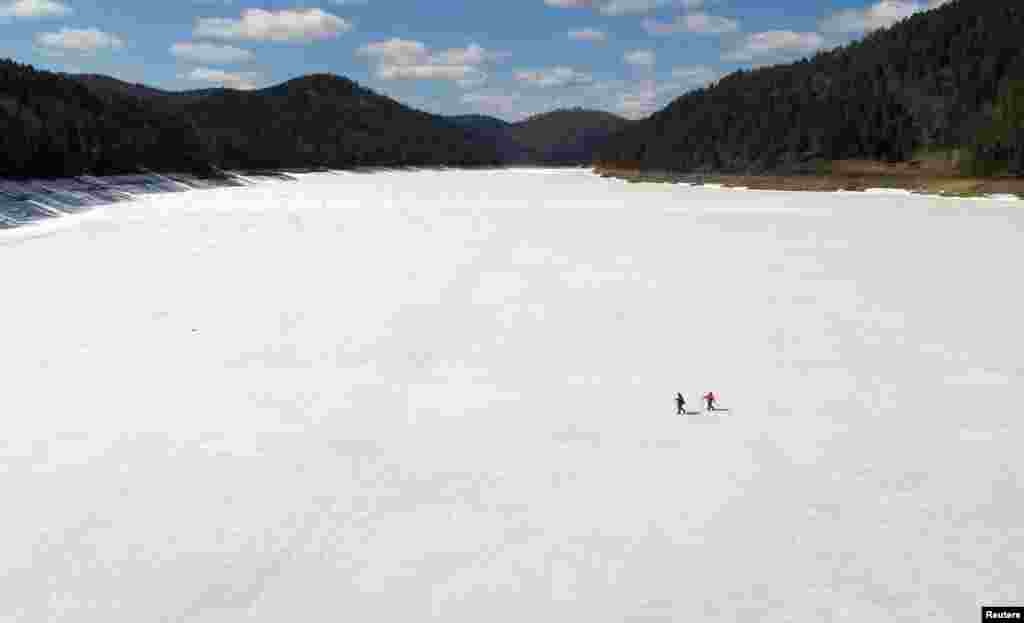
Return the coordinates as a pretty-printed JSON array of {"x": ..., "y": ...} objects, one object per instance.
[{"x": 923, "y": 176}]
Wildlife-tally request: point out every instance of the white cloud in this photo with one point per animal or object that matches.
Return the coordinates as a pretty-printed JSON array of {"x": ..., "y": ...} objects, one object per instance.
[
  {"x": 395, "y": 51},
  {"x": 694, "y": 75},
  {"x": 607, "y": 85},
  {"x": 241, "y": 81},
  {"x": 588, "y": 34},
  {"x": 77, "y": 41},
  {"x": 670, "y": 87},
  {"x": 686, "y": 79},
  {"x": 403, "y": 59},
  {"x": 640, "y": 100},
  {"x": 775, "y": 43},
  {"x": 33, "y": 8},
  {"x": 624, "y": 7},
  {"x": 473, "y": 54},
  {"x": 554, "y": 77},
  {"x": 287, "y": 25},
  {"x": 693, "y": 22},
  {"x": 209, "y": 53},
  {"x": 640, "y": 58},
  {"x": 632, "y": 99},
  {"x": 493, "y": 103},
  {"x": 881, "y": 14},
  {"x": 462, "y": 74},
  {"x": 610, "y": 7}
]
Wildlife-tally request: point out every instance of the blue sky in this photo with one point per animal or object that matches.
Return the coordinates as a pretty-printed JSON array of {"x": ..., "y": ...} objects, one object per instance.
[{"x": 507, "y": 59}]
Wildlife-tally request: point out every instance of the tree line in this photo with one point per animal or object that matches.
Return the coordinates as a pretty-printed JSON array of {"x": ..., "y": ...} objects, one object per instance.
[
  {"x": 942, "y": 80},
  {"x": 53, "y": 125}
]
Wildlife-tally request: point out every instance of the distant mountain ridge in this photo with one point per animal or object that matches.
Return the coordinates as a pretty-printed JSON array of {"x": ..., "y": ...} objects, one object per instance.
[
  {"x": 103, "y": 85},
  {"x": 567, "y": 136},
  {"x": 478, "y": 122},
  {"x": 945, "y": 81},
  {"x": 559, "y": 137},
  {"x": 56, "y": 125},
  {"x": 324, "y": 120}
]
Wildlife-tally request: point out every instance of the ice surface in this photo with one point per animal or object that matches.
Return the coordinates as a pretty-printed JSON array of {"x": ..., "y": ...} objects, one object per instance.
[{"x": 407, "y": 395}]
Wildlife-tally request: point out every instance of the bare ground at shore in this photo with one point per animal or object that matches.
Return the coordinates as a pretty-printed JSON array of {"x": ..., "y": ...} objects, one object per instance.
[{"x": 927, "y": 177}]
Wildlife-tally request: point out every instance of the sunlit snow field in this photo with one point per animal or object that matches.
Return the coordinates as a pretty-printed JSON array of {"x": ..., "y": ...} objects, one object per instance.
[{"x": 412, "y": 395}]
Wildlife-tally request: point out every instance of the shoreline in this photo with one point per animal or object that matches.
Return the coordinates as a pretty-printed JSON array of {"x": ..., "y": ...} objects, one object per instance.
[
  {"x": 852, "y": 180},
  {"x": 29, "y": 201},
  {"x": 23, "y": 202}
]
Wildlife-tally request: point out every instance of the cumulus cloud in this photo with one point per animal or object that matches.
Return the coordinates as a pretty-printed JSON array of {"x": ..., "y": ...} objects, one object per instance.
[
  {"x": 605, "y": 86},
  {"x": 639, "y": 100},
  {"x": 241, "y": 81},
  {"x": 694, "y": 75},
  {"x": 693, "y": 22},
  {"x": 610, "y": 7},
  {"x": 493, "y": 103},
  {"x": 286, "y": 25},
  {"x": 640, "y": 58},
  {"x": 588, "y": 34},
  {"x": 77, "y": 41},
  {"x": 881, "y": 14},
  {"x": 630, "y": 98},
  {"x": 687, "y": 78},
  {"x": 404, "y": 59},
  {"x": 210, "y": 54},
  {"x": 462, "y": 74},
  {"x": 554, "y": 77},
  {"x": 33, "y": 8},
  {"x": 775, "y": 43},
  {"x": 395, "y": 51}
]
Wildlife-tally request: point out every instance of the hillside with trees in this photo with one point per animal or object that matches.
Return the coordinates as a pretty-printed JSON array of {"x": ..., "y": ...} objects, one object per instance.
[
  {"x": 324, "y": 120},
  {"x": 496, "y": 133},
  {"x": 566, "y": 136},
  {"x": 945, "y": 81},
  {"x": 53, "y": 125},
  {"x": 106, "y": 86},
  {"x": 560, "y": 137}
]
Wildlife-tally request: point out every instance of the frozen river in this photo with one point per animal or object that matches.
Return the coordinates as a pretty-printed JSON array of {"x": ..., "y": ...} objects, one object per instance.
[{"x": 415, "y": 395}]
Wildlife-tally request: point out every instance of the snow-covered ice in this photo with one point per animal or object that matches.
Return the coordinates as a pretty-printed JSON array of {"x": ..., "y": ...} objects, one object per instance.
[{"x": 412, "y": 395}]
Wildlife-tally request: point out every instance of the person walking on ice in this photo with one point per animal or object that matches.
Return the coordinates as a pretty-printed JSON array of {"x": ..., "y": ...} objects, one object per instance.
[
  {"x": 710, "y": 399},
  {"x": 680, "y": 404}
]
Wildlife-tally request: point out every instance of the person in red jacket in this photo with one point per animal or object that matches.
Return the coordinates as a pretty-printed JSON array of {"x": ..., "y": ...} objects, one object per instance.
[{"x": 710, "y": 399}]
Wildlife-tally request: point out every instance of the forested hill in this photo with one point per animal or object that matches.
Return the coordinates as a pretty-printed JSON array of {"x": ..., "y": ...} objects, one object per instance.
[
  {"x": 56, "y": 125},
  {"x": 566, "y": 136},
  {"x": 105, "y": 86},
  {"x": 560, "y": 137},
  {"x": 51, "y": 125},
  {"x": 495, "y": 133},
  {"x": 325, "y": 120},
  {"x": 939, "y": 80},
  {"x": 478, "y": 122}
]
